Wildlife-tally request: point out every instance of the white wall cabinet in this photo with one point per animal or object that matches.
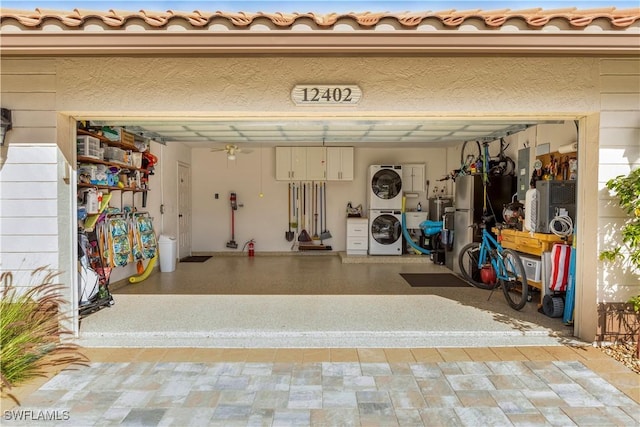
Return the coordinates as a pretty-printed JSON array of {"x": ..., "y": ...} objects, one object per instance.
[
  {"x": 301, "y": 163},
  {"x": 316, "y": 163},
  {"x": 291, "y": 163},
  {"x": 413, "y": 177},
  {"x": 357, "y": 236},
  {"x": 340, "y": 163}
]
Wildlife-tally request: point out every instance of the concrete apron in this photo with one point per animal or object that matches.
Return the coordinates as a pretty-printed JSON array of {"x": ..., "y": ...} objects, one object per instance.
[{"x": 289, "y": 321}]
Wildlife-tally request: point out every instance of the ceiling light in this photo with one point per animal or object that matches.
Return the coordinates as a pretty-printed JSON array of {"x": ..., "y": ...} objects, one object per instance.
[{"x": 231, "y": 156}]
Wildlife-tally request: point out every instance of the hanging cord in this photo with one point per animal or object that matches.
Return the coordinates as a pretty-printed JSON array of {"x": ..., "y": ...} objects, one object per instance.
[{"x": 561, "y": 225}]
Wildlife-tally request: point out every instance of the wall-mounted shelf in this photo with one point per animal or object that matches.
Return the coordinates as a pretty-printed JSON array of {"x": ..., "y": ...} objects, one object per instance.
[
  {"x": 112, "y": 188},
  {"x": 120, "y": 144},
  {"x": 85, "y": 159},
  {"x": 128, "y": 142}
]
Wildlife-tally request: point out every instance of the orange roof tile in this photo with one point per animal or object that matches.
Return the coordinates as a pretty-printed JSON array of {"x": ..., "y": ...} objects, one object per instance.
[{"x": 535, "y": 18}]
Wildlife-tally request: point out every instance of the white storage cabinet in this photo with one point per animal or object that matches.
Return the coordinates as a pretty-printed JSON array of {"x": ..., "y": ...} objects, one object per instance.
[
  {"x": 413, "y": 177},
  {"x": 301, "y": 163},
  {"x": 357, "y": 236},
  {"x": 339, "y": 163},
  {"x": 291, "y": 163},
  {"x": 316, "y": 163}
]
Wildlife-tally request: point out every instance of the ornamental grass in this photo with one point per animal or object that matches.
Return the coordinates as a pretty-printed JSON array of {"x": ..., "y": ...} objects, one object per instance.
[{"x": 31, "y": 334}]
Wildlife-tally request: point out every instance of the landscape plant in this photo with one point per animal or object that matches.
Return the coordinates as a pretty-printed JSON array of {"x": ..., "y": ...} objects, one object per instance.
[
  {"x": 31, "y": 335},
  {"x": 627, "y": 191}
]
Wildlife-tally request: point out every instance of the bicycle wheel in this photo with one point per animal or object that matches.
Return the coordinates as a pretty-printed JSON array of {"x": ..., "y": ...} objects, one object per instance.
[
  {"x": 470, "y": 153},
  {"x": 503, "y": 166},
  {"x": 516, "y": 288},
  {"x": 510, "y": 167},
  {"x": 468, "y": 263}
]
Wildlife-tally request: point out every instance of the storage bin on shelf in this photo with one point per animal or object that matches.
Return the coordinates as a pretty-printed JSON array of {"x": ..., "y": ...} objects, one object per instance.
[
  {"x": 114, "y": 154},
  {"x": 87, "y": 173},
  {"x": 118, "y": 134},
  {"x": 94, "y": 174},
  {"x": 89, "y": 146},
  {"x": 532, "y": 267}
]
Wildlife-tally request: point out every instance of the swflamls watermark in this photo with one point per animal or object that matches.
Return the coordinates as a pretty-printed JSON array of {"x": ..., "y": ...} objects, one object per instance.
[{"x": 36, "y": 415}]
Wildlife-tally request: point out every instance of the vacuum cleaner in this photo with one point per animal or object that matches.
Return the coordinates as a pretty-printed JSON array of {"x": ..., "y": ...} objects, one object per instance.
[{"x": 234, "y": 206}]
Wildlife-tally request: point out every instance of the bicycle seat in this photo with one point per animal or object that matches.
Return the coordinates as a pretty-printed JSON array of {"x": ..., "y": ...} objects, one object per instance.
[
  {"x": 484, "y": 220},
  {"x": 487, "y": 218}
]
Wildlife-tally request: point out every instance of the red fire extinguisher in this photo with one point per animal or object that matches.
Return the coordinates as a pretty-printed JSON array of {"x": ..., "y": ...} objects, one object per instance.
[{"x": 251, "y": 248}]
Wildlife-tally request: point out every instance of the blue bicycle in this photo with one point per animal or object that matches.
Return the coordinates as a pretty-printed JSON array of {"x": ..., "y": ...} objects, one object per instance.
[{"x": 487, "y": 265}]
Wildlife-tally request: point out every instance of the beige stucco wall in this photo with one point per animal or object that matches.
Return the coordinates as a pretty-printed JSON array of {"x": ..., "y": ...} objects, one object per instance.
[
  {"x": 226, "y": 87},
  {"x": 431, "y": 85}
]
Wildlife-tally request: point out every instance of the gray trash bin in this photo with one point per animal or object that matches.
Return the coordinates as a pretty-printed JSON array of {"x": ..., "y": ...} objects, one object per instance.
[{"x": 168, "y": 247}]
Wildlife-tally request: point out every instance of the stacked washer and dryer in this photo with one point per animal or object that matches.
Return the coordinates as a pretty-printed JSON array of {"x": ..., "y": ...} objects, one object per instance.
[{"x": 385, "y": 209}]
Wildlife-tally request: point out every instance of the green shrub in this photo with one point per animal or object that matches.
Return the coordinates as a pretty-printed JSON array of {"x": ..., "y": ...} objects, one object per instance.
[
  {"x": 31, "y": 336},
  {"x": 627, "y": 189}
]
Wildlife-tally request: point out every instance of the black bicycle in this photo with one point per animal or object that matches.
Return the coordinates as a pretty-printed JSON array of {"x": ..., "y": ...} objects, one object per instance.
[{"x": 500, "y": 164}]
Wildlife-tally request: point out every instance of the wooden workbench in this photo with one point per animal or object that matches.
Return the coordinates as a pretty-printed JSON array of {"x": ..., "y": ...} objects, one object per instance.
[{"x": 529, "y": 243}]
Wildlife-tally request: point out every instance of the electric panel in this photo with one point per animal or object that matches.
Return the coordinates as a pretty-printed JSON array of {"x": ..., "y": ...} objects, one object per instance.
[{"x": 523, "y": 172}]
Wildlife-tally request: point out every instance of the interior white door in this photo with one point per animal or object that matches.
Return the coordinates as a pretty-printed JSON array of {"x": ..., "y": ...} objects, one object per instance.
[{"x": 184, "y": 210}]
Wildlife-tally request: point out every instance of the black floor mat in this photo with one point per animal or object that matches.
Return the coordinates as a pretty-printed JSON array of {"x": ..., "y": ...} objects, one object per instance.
[
  {"x": 200, "y": 258},
  {"x": 433, "y": 280}
]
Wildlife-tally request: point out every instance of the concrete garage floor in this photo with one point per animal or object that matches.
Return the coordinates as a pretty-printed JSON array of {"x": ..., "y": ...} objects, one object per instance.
[{"x": 325, "y": 301}]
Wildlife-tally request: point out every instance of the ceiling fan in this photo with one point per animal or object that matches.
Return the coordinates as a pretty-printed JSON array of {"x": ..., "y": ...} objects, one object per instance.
[{"x": 231, "y": 150}]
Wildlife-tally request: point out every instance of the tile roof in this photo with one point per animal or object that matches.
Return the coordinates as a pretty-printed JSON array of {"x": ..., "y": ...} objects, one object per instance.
[{"x": 609, "y": 18}]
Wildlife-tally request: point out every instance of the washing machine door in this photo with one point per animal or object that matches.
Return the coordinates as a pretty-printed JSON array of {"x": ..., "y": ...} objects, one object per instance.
[
  {"x": 386, "y": 229},
  {"x": 386, "y": 184}
]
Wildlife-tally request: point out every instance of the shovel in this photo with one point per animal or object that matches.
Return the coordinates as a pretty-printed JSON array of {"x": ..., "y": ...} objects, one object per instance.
[
  {"x": 304, "y": 236},
  {"x": 289, "y": 234},
  {"x": 324, "y": 234}
]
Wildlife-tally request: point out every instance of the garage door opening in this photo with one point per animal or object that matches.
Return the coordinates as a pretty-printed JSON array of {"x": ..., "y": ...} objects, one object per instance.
[{"x": 189, "y": 155}]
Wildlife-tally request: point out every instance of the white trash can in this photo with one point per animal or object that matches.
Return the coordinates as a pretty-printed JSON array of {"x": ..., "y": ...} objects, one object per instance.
[{"x": 168, "y": 247}]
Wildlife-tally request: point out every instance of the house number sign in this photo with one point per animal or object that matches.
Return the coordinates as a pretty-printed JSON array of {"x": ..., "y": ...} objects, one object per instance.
[{"x": 329, "y": 95}]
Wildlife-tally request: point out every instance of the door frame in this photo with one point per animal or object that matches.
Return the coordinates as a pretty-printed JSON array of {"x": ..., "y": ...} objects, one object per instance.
[{"x": 589, "y": 125}]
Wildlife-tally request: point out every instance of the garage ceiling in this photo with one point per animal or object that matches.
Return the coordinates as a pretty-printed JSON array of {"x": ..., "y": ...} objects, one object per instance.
[{"x": 370, "y": 133}]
